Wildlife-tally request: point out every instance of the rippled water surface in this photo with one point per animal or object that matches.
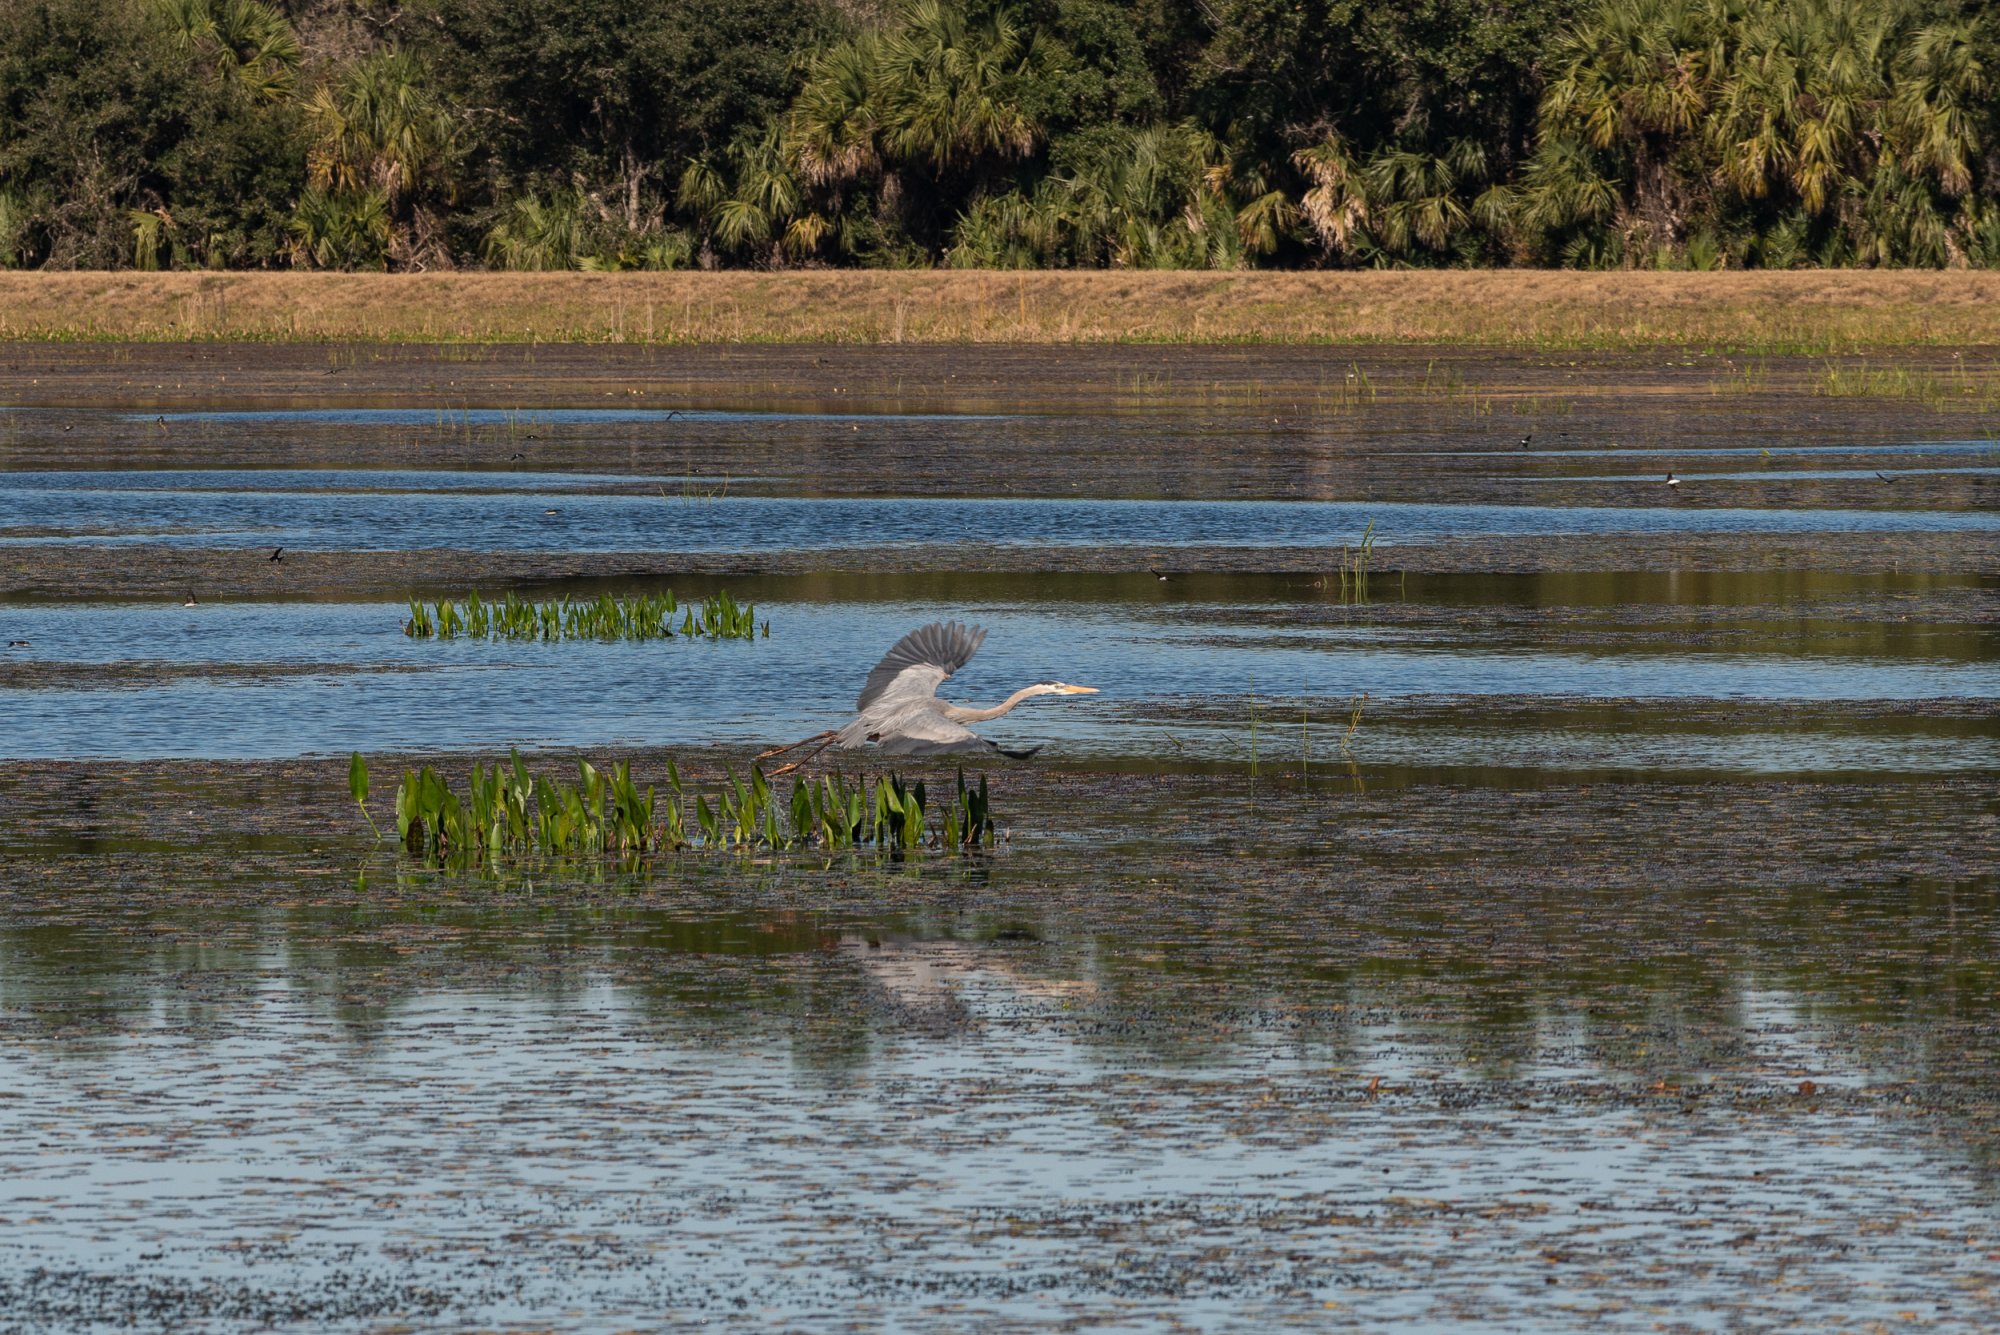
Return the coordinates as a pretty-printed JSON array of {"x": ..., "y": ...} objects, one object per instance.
[
  {"x": 362, "y": 512},
  {"x": 1180, "y": 676},
  {"x": 1575, "y": 912}
]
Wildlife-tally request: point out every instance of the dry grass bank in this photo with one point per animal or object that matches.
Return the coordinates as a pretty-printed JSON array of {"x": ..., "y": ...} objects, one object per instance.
[{"x": 1777, "y": 312}]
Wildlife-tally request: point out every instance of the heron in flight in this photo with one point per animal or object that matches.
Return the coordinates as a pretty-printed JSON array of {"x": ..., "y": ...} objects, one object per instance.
[{"x": 899, "y": 707}]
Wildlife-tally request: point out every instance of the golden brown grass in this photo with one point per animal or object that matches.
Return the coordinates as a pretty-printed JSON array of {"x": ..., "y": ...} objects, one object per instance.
[{"x": 1826, "y": 311}]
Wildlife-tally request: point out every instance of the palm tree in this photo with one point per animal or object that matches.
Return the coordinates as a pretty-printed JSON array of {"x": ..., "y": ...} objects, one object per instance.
[
  {"x": 1420, "y": 201},
  {"x": 1941, "y": 92},
  {"x": 379, "y": 126},
  {"x": 1799, "y": 98},
  {"x": 946, "y": 91},
  {"x": 1335, "y": 204},
  {"x": 1635, "y": 84},
  {"x": 341, "y": 230},
  {"x": 1161, "y": 196},
  {"x": 379, "y": 129},
  {"x": 833, "y": 120},
  {"x": 534, "y": 234},
  {"x": 248, "y": 45}
]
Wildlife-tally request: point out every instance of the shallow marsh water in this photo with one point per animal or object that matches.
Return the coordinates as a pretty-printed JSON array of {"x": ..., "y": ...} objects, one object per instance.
[
  {"x": 1182, "y": 675},
  {"x": 1628, "y": 964}
]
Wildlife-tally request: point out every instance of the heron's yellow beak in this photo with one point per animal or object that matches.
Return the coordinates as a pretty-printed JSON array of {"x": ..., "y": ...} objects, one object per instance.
[{"x": 1077, "y": 690}]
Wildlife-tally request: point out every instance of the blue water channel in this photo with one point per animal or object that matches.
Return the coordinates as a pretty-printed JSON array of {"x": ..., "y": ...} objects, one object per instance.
[
  {"x": 353, "y": 680},
  {"x": 370, "y": 511}
]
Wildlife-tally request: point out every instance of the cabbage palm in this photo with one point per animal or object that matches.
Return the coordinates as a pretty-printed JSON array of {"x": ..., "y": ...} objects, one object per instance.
[
  {"x": 1156, "y": 197},
  {"x": 1420, "y": 195},
  {"x": 535, "y": 234},
  {"x": 946, "y": 89},
  {"x": 1635, "y": 83},
  {"x": 1798, "y": 105},
  {"x": 378, "y": 131},
  {"x": 341, "y": 230},
  {"x": 1335, "y": 203},
  {"x": 248, "y": 45},
  {"x": 834, "y": 120},
  {"x": 379, "y": 126},
  {"x": 1942, "y": 91}
]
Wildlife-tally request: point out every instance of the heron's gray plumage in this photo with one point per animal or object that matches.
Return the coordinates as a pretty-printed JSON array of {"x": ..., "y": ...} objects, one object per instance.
[{"x": 899, "y": 707}]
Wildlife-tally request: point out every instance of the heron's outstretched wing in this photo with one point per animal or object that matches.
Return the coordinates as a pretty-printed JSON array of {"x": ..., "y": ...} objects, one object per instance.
[{"x": 919, "y": 662}]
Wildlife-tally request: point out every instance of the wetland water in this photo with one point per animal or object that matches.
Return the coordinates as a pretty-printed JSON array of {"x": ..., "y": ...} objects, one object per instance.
[{"x": 1629, "y": 961}]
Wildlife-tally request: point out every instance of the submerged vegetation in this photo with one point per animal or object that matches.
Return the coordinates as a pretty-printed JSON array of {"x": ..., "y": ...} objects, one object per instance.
[
  {"x": 661, "y": 134},
  {"x": 644, "y": 617},
  {"x": 509, "y": 815}
]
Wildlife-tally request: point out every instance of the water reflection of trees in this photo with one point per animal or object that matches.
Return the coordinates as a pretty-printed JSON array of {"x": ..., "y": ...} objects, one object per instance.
[{"x": 1633, "y": 981}]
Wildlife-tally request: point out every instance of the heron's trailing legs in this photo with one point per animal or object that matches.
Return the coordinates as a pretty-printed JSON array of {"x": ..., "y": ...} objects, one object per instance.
[{"x": 825, "y": 739}]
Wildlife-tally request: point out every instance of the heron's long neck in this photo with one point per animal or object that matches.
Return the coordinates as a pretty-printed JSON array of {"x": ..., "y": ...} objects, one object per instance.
[{"x": 960, "y": 714}]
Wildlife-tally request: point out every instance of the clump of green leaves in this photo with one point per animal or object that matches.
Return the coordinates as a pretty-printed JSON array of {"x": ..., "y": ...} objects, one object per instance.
[
  {"x": 508, "y": 815},
  {"x": 645, "y": 617}
]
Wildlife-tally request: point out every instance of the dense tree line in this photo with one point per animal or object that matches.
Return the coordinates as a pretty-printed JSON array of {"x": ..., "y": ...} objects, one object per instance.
[{"x": 541, "y": 134}]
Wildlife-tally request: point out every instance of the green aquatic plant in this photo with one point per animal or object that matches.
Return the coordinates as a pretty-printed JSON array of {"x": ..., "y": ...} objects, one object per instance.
[
  {"x": 1353, "y": 723},
  {"x": 1355, "y": 564},
  {"x": 508, "y": 815},
  {"x": 357, "y": 784},
  {"x": 1938, "y": 390},
  {"x": 645, "y": 617}
]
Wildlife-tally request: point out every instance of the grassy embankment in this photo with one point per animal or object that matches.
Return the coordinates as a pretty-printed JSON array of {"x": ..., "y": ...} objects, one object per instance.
[{"x": 1815, "y": 312}]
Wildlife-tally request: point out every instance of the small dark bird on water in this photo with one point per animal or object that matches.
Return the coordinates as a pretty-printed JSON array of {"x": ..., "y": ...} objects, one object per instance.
[
  {"x": 1673, "y": 481},
  {"x": 1525, "y": 439},
  {"x": 191, "y": 600},
  {"x": 1885, "y": 477},
  {"x": 17, "y": 644},
  {"x": 162, "y": 422},
  {"x": 512, "y": 457},
  {"x": 277, "y": 553},
  {"x": 1159, "y": 575}
]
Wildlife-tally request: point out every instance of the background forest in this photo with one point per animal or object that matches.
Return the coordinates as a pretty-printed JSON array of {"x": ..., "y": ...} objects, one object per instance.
[{"x": 556, "y": 134}]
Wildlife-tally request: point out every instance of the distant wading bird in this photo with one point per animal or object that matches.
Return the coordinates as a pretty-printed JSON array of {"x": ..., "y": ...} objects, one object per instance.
[{"x": 899, "y": 708}]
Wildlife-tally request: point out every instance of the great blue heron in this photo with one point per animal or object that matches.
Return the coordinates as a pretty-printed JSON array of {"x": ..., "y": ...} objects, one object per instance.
[{"x": 899, "y": 708}]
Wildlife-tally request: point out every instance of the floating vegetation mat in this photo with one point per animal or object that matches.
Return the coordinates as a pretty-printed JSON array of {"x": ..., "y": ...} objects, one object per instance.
[
  {"x": 646, "y": 617},
  {"x": 508, "y": 815}
]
